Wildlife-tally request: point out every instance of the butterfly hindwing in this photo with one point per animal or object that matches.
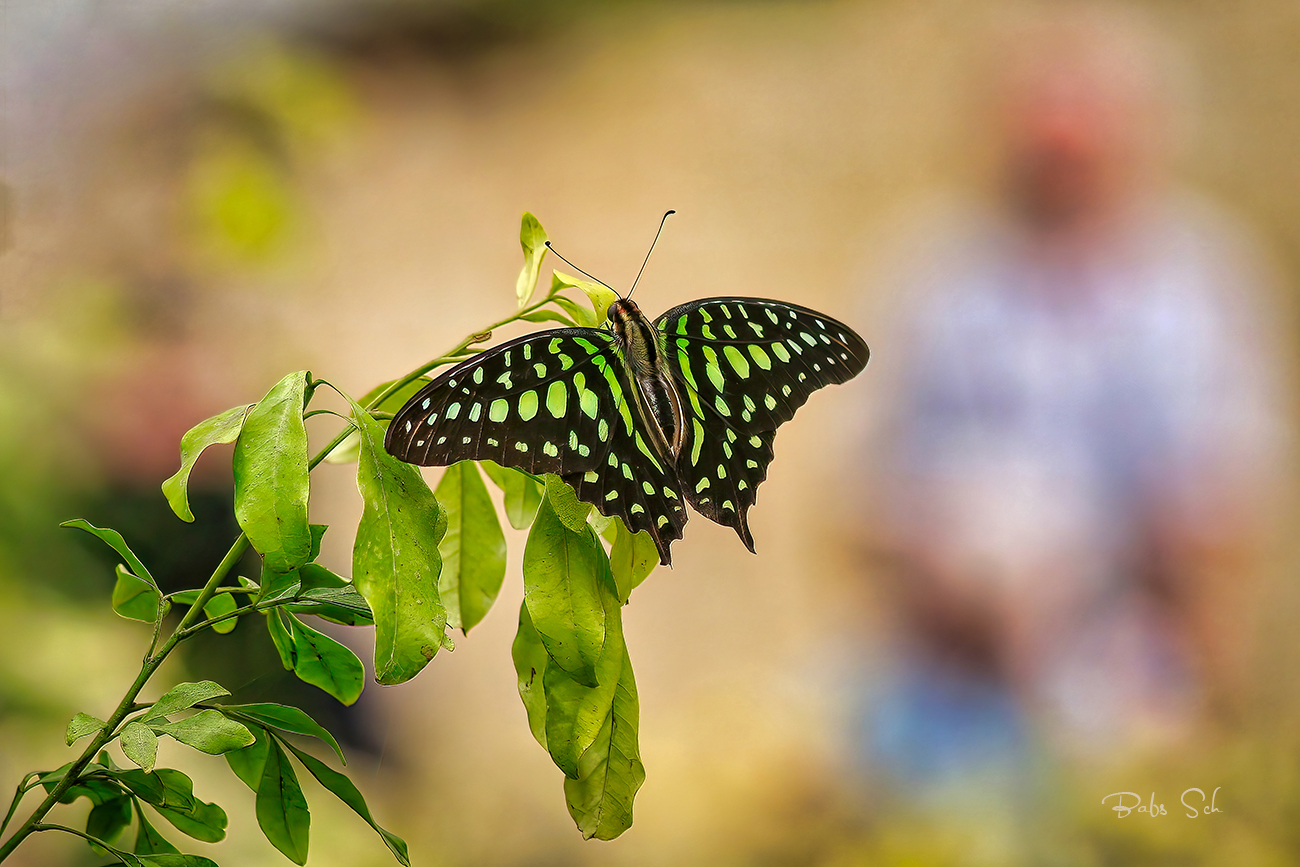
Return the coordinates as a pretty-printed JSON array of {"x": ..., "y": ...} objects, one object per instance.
[
  {"x": 631, "y": 481},
  {"x": 745, "y": 365}
]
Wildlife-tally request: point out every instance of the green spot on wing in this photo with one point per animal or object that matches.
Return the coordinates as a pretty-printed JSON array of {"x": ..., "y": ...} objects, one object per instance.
[{"x": 528, "y": 405}]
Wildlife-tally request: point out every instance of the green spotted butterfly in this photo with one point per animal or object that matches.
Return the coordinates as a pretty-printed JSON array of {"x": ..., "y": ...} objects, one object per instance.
[{"x": 638, "y": 417}]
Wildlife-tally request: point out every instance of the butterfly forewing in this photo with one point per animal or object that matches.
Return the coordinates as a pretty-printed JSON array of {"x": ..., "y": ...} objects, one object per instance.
[
  {"x": 745, "y": 365},
  {"x": 554, "y": 402},
  {"x": 539, "y": 403}
]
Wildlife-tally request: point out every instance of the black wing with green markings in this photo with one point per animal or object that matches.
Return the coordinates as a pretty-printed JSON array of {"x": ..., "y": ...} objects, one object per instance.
[
  {"x": 552, "y": 402},
  {"x": 745, "y": 365}
]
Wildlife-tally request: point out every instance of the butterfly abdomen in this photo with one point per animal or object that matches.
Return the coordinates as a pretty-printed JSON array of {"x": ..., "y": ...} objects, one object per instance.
[{"x": 660, "y": 405}]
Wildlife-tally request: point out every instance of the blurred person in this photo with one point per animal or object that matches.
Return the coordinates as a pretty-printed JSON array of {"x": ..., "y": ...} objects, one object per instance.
[{"x": 1086, "y": 432}]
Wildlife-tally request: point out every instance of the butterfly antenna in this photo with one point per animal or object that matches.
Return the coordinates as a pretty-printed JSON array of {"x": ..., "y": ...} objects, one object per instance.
[
  {"x": 579, "y": 270},
  {"x": 648, "y": 252}
]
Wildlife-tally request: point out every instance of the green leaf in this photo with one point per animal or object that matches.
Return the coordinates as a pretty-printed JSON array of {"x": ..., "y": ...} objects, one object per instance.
[
  {"x": 185, "y": 695},
  {"x": 271, "y": 479},
  {"x": 395, "y": 560},
  {"x": 281, "y": 808},
  {"x": 522, "y": 493},
  {"x": 610, "y": 771},
  {"x": 572, "y": 512},
  {"x": 576, "y": 711},
  {"x": 278, "y": 585},
  {"x": 174, "y": 859},
  {"x": 172, "y": 794},
  {"x": 337, "y": 604},
  {"x": 317, "y": 534},
  {"x": 140, "y": 744},
  {"x": 473, "y": 550},
  {"x": 314, "y": 576},
  {"x": 563, "y": 571},
  {"x": 98, "y": 791},
  {"x": 248, "y": 763},
  {"x": 530, "y": 660},
  {"x": 134, "y": 598},
  {"x": 286, "y": 719},
  {"x": 532, "y": 237},
  {"x": 323, "y": 662},
  {"x": 632, "y": 557},
  {"x": 81, "y": 725},
  {"x": 580, "y": 314},
  {"x": 603, "y": 526},
  {"x": 147, "y": 839},
  {"x": 282, "y": 638},
  {"x": 600, "y": 296},
  {"x": 108, "y": 820},
  {"x": 349, "y": 450},
  {"x": 222, "y": 428},
  {"x": 208, "y": 731},
  {"x": 548, "y": 316},
  {"x": 222, "y": 603},
  {"x": 115, "y": 541},
  {"x": 348, "y": 793}
]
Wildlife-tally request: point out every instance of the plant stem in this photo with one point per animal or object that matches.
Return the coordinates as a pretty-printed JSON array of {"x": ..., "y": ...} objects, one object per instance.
[{"x": 108, "y": 732}]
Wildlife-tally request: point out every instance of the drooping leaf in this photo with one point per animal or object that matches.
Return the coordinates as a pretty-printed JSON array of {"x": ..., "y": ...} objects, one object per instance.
[
  {"x": 140, "y": 745},
  {"x": 219, "y": 605},
  {"x": 208, "y": 731},
  {"x": 221, "y": 428},
  {"x": 247, "y": 764},
  {"x": 325, "y": 663},
  {"x": 576, "y": 711},
  {"x": 147, "y": 839},
  {"x": 348, "y": 793},
  {"x": 473, "y": 549},
  {"x": 610, "y": 771},
  {"x": 522, "y": 494},
  {"x": 114, "y": 540},
  {"x": 349, "y": 450},
  {"x": 206, "y": 822},
  {"x": 530, "y": 660},
  {"x": 171, "y": 793},
  {"x": 532, "y": 237},
  {"x": 281, "y": 807},
  {"x": 395, "y": 560},
  {"x": 81, "y": 725},
  {"x": 271, "y": 478},
  {"x": 108, "y": 820},
  {"x": 600, "y": 296},
  {"x": 134, "y": 598},
  {"x": 185, "y": 695},
  {"x": 562, "y": 575},
  {"x": 286, "y": 719},
  {"x": 571, "y": 511},
  {"x": 632, "y": 557},
  {"x": 282, "y": 638}
]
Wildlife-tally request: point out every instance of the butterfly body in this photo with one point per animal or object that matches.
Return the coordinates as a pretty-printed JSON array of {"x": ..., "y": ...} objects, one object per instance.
[{"x": 640, "y": 416}]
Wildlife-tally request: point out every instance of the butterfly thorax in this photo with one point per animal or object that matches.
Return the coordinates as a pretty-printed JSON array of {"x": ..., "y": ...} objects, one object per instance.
[{"x": 659, "y": 404}]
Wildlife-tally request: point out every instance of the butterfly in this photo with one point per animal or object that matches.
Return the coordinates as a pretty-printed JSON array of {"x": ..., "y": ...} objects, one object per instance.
[{"x": 639, "y": 417}]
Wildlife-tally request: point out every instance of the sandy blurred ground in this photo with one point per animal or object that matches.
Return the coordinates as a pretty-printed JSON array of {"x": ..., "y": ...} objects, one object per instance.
[{"x": 200, "y": 200}]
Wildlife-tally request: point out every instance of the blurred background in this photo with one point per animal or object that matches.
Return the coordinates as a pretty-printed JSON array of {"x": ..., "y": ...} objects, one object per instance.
[{"x": 1035, "y": 555}]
